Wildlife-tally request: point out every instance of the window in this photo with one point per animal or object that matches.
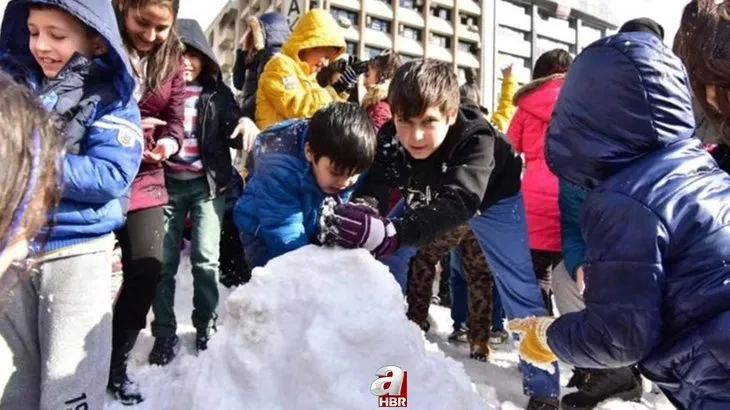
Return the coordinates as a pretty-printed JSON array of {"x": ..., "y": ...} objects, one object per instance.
[
  {"x": 342, "y": 16},
  {"x": 468, "y": 47},
  {"x": 468, "y": 20},
  {"x": 588, "y": 35},
  {"x": 377, "y": 24},
  {"x": 351, "y": 48},
  {"x": 545, "y": 45},
  {"x": 411, "y": 33},
  {"x": 411, "y": 4},
  {"x": 439, "y": 40},
  {"x": 441, "y": 13},
  {"x": 371, "y": 52},
  {"x": 404, "y": 58}
]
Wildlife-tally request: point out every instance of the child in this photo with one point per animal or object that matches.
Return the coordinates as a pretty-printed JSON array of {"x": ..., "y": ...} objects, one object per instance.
[
  {"x": 287, "y": 87},
  {"x": 656, "y": 224},
  {"x": 31, "y": 151},
  {"x": 452, "y": 168},
  {"x": 196, "y": 179},
  {"x": 296, "y": 165},
  {"x": 377, "y": 82},
  {"x": 74, "y": 57}
]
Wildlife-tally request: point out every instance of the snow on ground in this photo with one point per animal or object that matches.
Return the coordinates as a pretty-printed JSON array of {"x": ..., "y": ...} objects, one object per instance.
[{"x": 310, "y": 331}]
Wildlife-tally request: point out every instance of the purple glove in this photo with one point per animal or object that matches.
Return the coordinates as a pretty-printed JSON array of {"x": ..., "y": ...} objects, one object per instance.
[{"x": 360, "y": 226}]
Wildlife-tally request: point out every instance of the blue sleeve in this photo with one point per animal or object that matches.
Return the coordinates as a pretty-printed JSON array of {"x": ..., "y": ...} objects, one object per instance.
[
  {"x": 624, "y": 276},
  {"x": 570, "y": 201},
  {"x": 278, "y": 202},
  {"x": 111, "y": 154}
]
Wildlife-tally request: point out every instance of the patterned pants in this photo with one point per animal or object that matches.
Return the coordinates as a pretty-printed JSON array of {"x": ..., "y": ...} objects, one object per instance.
[{"x": 476, "y": 274}]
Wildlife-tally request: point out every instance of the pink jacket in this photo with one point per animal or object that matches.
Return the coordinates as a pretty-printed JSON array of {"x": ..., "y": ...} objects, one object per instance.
[{"x": 535, "y": 102}]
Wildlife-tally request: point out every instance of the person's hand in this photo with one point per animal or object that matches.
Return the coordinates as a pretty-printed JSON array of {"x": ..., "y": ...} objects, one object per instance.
[
  {"x": 157, "y": 155},
  {"x": 533, "y": 345},
  {"x": 507, "y": 71},
  {"x": 150, "y": 123},
  {"x": 359, "y": 226},
  {"x": 580, "y": 280},
  {"x": 248, "y": 130}
]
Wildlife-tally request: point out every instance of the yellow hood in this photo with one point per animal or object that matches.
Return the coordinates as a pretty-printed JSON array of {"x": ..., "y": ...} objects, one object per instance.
[{"x": 316, "y": 28}]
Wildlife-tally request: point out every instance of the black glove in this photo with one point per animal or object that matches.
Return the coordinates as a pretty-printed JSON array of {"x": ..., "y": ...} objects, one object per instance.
[
  {"x": 347, "y": 81},
  {"x": 360, "y": 67}
]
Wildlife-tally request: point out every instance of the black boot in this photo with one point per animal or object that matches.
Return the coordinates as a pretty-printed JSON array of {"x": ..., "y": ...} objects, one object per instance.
[
  {"x": 604, "y": 384},
  {"x": 121, "y": 386},
  {"x": 164, "y": 350},
  {"x": 578, "y": 377},
  {"x": 543, "y": 403},
  {"x": 202, "y": 336}
]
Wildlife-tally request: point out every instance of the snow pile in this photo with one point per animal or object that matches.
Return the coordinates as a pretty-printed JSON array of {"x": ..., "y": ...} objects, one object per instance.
[{"x": 309, "y": 332}]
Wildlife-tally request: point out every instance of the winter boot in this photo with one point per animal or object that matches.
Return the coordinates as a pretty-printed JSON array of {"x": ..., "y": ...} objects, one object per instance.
[
  {"x": 498, "y": 337},
  {"x": 459, "y": 335},
  {"x": 164, "y": 350},
  {"x": 120, "y": 385},
  {"x": 202, "y": 336},
  {"x": 600, "y": 385},
  {"x": 543, "y": 403},
  {"x": 578, "y": 377},
  {"x": 480, "y": 351}
]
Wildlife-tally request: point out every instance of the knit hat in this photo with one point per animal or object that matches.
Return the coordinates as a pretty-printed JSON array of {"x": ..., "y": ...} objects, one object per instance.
[{"x": 644, "y": 24}]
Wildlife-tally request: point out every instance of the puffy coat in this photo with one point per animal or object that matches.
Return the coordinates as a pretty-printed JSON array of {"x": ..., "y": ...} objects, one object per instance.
[
  {"x": 287, "y": 87},
  {"x": 281, "y": 201},
  {"x": 656, "y": 223},
  {"x": 571, "y": 200},
  {"x": 375, "y": 101},
  {"x": 106, "y": 149},
  {"x": 535, "y": 102}
]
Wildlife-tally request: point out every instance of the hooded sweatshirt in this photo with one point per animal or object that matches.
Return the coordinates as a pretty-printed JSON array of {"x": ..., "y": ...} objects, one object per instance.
[
  {"x": 535, "y": 102},
  {"x": 213, "y": 117},
  {"x": 656, "y": 223},
  {"x": 287, "y": 87},
  {"x": 106, "y": 151},
  {"x": 474, "y": 167}
]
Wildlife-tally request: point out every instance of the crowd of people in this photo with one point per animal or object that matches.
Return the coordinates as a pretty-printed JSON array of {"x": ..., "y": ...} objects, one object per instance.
[{"x": 598, "y": 185}]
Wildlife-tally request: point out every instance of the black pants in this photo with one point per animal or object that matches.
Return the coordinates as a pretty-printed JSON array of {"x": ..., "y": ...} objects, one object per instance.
[
  {"x": 141, "y": 242},
  {"x": 543, "y": 263},
  {"x": 234, "y": 270}
]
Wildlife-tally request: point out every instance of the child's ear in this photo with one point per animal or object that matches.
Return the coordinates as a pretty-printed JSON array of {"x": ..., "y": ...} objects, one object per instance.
[
  {"x": 308, "y": 153},
  {"x": 451, "y": 115},
  {"x": 98, "y": 47}
]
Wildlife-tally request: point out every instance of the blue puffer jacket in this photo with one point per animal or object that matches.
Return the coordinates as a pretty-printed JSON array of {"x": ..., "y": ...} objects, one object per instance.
[
  {"x": 570, "y": 200},
  {"x": 656, "y": 223},
  {"x": 107, "y": 154},
  {"x": 281, "y": 201}
]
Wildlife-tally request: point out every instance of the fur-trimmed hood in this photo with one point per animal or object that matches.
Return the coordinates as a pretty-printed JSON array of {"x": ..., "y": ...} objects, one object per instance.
[
  {"x": 268, "y": 30},
  {"x": 534, "y": 85},
  {"x": 539, "y": 96},
  {"x": 376, "y": 94}
]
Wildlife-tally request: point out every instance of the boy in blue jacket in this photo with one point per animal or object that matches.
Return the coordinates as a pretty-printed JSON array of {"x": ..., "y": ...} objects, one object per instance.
[
  {"x": 57, "y": 325},
  {"x": 656, "y": 223},
  {"x": 296, "y": 165}
]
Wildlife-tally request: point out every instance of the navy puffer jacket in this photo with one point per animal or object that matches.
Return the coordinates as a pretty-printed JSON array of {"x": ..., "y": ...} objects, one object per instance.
[{"x": 656, "y": 223}]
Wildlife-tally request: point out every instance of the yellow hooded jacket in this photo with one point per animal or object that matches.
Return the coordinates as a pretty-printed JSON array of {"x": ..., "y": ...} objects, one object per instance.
[{"x": 288, "y": 87}]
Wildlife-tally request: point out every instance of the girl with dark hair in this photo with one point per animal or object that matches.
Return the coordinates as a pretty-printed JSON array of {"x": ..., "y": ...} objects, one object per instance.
[{"x": 377, "y": 82}]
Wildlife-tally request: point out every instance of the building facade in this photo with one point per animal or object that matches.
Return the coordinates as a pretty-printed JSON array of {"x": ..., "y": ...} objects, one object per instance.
[{"x": 482, "y": 34}]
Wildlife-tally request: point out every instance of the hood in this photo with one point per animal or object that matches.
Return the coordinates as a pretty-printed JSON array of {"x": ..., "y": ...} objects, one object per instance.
[
  {"x": 376, "y": 94},
  {"x": 270, "y": 30},
  {"x": 470, "y": 122},
  {"x": 97, "y": 14},
  {"x": 538, "y": 97},
  {"x": 316, "y": 28},
  {"x": 192, "y": 35},
  {"x": 624, "y": 97}
]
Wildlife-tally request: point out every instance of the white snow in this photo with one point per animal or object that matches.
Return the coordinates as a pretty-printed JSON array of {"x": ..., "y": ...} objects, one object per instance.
[{"x": 309, "y": 332}]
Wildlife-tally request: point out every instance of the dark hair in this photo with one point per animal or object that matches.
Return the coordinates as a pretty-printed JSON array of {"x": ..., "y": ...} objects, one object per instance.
[
  {"x": 420, "y": 84},
  {"x": 643, "y": 24},
  {"x": 701, "y": 44},
  {"x": 30, "y": 149},
  {"x": 555, "y": 61},
  {"x": 209, "y": 71},
  {"x": 386, "y": 63},
  {"x": 343, "y": 132},
  {"x": 469, "y": 91},
  {"x": 165, "y": 60}
]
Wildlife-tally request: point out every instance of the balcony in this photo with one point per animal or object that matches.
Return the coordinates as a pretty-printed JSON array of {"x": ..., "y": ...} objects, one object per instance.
[
  {"x": 226, "y": 37},
  {"x": 378, "y": 38},
  {"x": 439, "y": 53},
  {"x": 442, "y": 26}
]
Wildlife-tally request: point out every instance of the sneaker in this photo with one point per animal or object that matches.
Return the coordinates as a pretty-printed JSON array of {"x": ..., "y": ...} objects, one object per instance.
[
  {"x": 164, "y": 350},
  {"x": 498, "y": 337},
  {"x": 459, "y": 336},
  {"x": 543, "y": 403},
  {"x": 600, "y": 385},
  {"x": 202, "y": 336},
  {"x": 480, "y": 351}
]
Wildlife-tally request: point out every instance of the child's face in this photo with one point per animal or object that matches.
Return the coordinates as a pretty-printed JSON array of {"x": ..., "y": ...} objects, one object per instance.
[
  {"x": 329, "y": 179},
  {"x": 371, "y": 79},
  {"x": 54, "y": 38},
  {"x": 193, "y": 65},
  {"x": 148, "y": 26},
  {"x": 318, "y": 57},
  {"x": 423, "y": 135}
]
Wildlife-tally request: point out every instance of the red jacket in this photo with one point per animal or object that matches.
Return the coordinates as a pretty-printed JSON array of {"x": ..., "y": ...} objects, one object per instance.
[
  {"x": 535, "y": 102},
  {"x": 167, "y": 104}
]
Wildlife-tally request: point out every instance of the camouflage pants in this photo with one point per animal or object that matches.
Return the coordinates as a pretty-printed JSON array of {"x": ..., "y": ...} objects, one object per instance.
[{"x": 476, "y": 274}]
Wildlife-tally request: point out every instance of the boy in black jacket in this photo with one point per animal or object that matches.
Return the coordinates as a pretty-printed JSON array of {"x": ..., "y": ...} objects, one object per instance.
[{"x": 452, "y": 167}]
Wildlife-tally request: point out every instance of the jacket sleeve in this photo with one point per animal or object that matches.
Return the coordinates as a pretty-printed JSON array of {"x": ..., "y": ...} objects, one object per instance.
[
  {"x": 229, "y": 115},
  {"x": 462, "y": 190},
  {"x": 278, "y": 204},
  {"x": 174, "y": 112},
  {"x": 516, "y": 130},
  {"x": 239, "y": 69},
  {"x": 622, "y": 320},
  {"x": 570, "y": 200},
  {"x": 375, "y": 186},
  {"x": 380, "y": 114},
  {"x": 110, "y": 159},
  {"x": 290, "y": 96},
  {"x": 505, "y": 109}
]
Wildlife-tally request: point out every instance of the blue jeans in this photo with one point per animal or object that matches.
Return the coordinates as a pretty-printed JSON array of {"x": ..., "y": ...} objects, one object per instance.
[
  {"x": 398, "y": 262},
  {"x": 459, "y": 297},
  {"x": 502, "y": 233}
]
